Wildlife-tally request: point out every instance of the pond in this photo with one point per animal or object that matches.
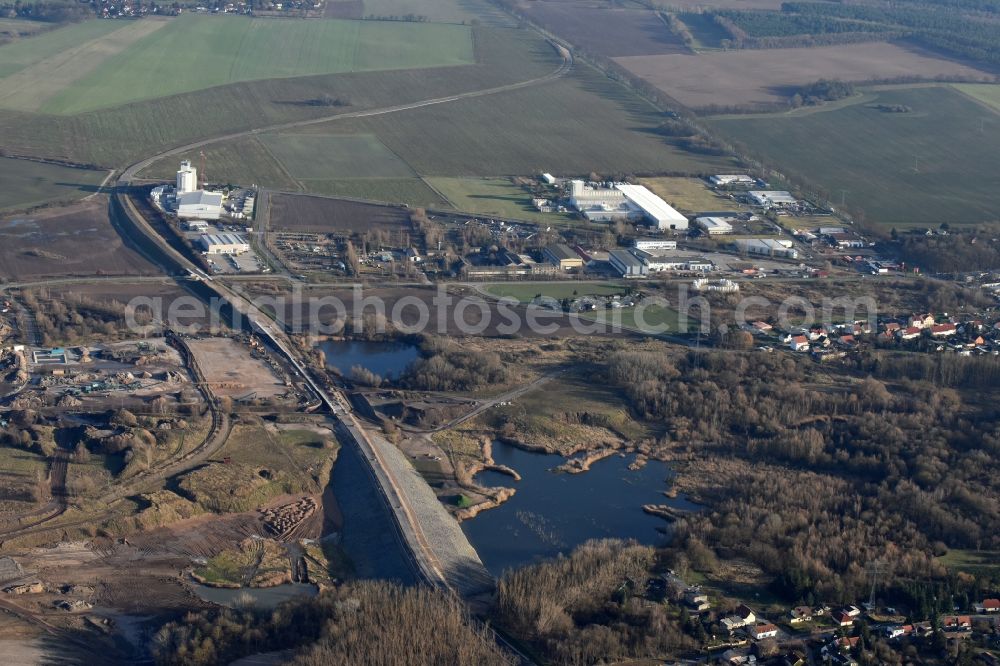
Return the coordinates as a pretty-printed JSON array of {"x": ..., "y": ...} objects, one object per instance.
[
  {"x": 385, "y": 359},
  {"x": 265, "y": 598},
  {"x": 551, "y": 512}
]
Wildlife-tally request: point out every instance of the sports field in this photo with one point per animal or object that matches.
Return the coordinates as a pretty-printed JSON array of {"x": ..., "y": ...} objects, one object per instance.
[
  {"x": 923, "y": 167},
  {"x": 28, "y": 184},
  {"x": 497, "y": 197},
  {"x": 155, "y": 58}
]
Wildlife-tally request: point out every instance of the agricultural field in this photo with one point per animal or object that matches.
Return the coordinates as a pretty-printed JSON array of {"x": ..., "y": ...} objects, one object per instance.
[
  {"x": 28, "y": 184},
  {"x": 118, "y": 136},
  {"x": 196, "y": 52},
  {"x": 525, "y": 293},
  {"x": 923, "y": 167},
  {"x": 333, "y": 156},
  {"x": 985, "y": 93},
  {"x": 606, "y": 31},
  {"x": 769, "y": 76},
  {"x": 305, "y": 214},
  {"x": 31, "y": 88},
  {"x": 439, "y": 11},
  {"x": 497, "y": 197},
  {"x": 71, "y": 240},
  {"x": 578, "y": 124},
  {"x": 411, "y": 191},
  {"x": 241, "y": 162},
  {"x": 690, "y": 195},
  {"x": 23, "y": 53}
]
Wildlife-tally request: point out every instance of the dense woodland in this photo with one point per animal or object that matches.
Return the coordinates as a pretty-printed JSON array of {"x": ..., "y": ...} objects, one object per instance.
[
  {"x": 812, "y": 472},
  {"x": 447, "y": 366},
  {"x": 963, "y": 28},
  {"x": 953, "y": 253},
  {"x": 575, "y": 610},
  {"x": 361, "y": 623}
]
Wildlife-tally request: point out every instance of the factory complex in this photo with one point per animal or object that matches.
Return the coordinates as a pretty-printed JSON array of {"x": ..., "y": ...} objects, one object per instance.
[{"x": 609, "y": 202}]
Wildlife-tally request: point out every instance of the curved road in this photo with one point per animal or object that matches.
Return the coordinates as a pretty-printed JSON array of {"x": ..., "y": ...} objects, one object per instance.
[{"x": 131, "y": 172}]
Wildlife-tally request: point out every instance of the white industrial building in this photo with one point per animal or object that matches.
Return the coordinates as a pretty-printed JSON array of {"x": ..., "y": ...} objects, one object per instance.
[
  {"x": 661, "y": 214},
  {"x": 622, "y": 201},
  {"x": 731, "y": 179},
  {"x": 187, "y": 178},
  {"x": 768, "y": 247},
  {"x": 199, "y": 204},
  {"x": 654, "y": 244},
  {"x": 659, "y": 263},
  {"x": 626, "y": 263},
  {"x": 714, "y": 226},
  {"x": 771, "y": 198},
  {"x": 200, "y": 226},
  {"x": 224, "y": 244}
]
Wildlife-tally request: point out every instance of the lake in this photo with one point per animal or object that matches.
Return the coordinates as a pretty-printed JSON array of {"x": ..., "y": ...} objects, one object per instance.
[
  {"x": 385, "y": 359},
  {"x": 551, "y": 513}
]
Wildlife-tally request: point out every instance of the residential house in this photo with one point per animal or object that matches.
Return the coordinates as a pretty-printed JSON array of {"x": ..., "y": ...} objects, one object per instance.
[
  {"x": 921, "y": 321},
  {"x": 988, "y": 606},
  {"x": 746, "y": 614},
  {"x": 846, "y": 341},
  {"x": 910, "y": 333},
  {"x": 957, "y": 623},
  {"x": 697, "y": 600},
  {"x": 943, "y": 330},
  {"x": 800, "y": 614},
  {"x": 843, "y": 619},
  {"x": 762, "y": 327},
  {"x": 799, "y": 343},
  {"x": 898, "y": 631},
  {"x": 892, "y": 327},
  {"x": 762, "y": 630}
]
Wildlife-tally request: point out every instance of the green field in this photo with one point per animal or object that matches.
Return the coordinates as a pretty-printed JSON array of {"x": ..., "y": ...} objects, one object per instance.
[
  {"x": 25, "y": 52},
  {"x": 243, "y": 162},
  {"x": 979, "y": 562},
  {"x": 335, "y": 156},
  {"x": 924, "y": 167},
  {"x": 411, "y": 191},
  {"x": 984, "y": 92},
  {"x": 494, "y": 196},
  {"x": 690, "y": 194},
  {"x": 117, "y": 136},
  {"x": 575, "y": 125},
  {"x": 440, "y": 11},
  {"x": 196, "y": 52},
  {"x": 29, "y": 184},
  {"x": 654, "y": 318},
  {"x": 525, "y": 293}
]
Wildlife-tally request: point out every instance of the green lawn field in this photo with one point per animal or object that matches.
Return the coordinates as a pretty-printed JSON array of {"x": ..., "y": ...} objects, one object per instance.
[
  {"x": 923, "y": 167},
  {"x": 440, "y": 11},
  {"x": 494, "y": 196},
  {"x": 334, "y": 156},
  {"x": 196, "y": 52},
  {"x": 28, "y": 184},
  {"x": 242, "y": 162},
  {"x": 526, "y": 292}
]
